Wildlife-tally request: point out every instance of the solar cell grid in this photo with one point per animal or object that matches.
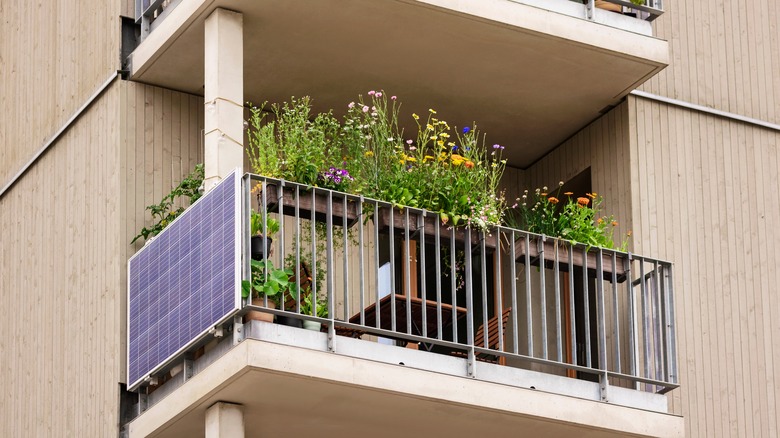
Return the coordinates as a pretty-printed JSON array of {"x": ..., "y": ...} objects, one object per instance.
[{"x": 184, "y": 282}]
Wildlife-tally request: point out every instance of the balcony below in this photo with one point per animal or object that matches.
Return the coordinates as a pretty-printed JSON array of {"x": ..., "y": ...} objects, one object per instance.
[{"x": 531, "y": 73}]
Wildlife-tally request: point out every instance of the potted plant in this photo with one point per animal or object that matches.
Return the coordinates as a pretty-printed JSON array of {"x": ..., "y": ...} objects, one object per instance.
[
  {"x": 306, "y": 309},
  {"x": 266, "y": 280},
  {"x": 603, "y": 4},
  {"x": 256, "y": 225}
]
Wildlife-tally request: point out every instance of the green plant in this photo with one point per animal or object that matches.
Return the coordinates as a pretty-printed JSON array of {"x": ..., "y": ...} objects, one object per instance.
[
  {"x": 256, "y": 224},
  {"x": 164, "y": 212},
  {"x": 306, "y": 306},
  {"x": 267, "y": 280},
  {"x": 638, "y": 2},
  {"x": 293, "y": 144},
  {"x": 575, "y": 219}
]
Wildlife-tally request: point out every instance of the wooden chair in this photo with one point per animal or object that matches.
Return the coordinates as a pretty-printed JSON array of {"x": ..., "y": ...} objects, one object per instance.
[{"x": 493, "y": 341}]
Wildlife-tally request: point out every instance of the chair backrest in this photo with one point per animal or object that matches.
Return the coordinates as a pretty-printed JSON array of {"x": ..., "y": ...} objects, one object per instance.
[{"x": 492, "y": 330}]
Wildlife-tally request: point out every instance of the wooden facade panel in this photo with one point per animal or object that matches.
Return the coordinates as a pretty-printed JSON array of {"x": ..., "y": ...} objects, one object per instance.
[
  {"x": 713, "y": 185},
  {"x": 43, "y": 46},
  {"x": 724, "y": 55},
  {"x": 61, "y": 262}
]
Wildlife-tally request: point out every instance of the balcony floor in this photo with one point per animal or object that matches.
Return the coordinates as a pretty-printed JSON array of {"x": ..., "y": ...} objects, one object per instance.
[
  {"x": 290, "y": 391},
  {"x": 530, "y": 77}
]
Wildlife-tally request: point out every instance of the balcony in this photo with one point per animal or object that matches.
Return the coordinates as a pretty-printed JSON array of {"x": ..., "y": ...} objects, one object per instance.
[
  {"x": 531, "y": 72},
  {"x": 447, "y": 330}
]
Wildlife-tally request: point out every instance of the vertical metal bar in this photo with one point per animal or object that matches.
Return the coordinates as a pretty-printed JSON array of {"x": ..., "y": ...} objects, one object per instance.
[
  {"x": 392, "y": 269},
  {"x": 483, "y": 276},
  {"x": 297, "y": 266},
  {"x": 658, "y": 321},
  {"x": 329, "y": 255},
  {"x": 453, "y": 286},
  {"x": 572, "y": 310},
  {"x": 377, "y": 318},
  {"x": 616, "y": 314},
  {"x": 632, "y": 362},
  {"x": 344, "y": 225},
  {"x": 437, "y": 257},
  {"x": 600, "y": 311},
  {"x": 313, "y": 230},
  {"x": 586, "y": 300},
  {"x": 362, "y": 266},
  {"x": 469, "y": 302},
  {"x": 497, "y": 286},
  {"x": 513, "y": 271},
  {"x": 557, "y": 286},
  {"x": 246, "y": 209},
  {"x": 263, "y": 195},
  {"x": 528, "y": 309},
  {"x": 645, "y": 328},
  {"x": 407, "y": 272},
  {"x": 543, "y": 294},
  {"x": 280, "y": 203},
  {"x": 671, "y": 328},
  {"x": 421, "y": 269}
]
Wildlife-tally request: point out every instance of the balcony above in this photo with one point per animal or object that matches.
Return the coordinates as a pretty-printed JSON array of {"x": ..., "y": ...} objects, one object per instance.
[{"x": 530, "y": 73}]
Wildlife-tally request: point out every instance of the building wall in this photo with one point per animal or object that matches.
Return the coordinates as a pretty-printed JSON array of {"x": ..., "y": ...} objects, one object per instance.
[
  {"x": 705, "y": 193},
  {"x": 59, "y": 283},
  {"x": 724, "y": 54},
  {"x": 50, "y": 62}
]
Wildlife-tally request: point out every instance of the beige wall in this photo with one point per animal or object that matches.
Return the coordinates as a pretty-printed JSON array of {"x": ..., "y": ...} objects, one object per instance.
[
  {"x": 53, "y": 55},
  {"x": 59, "y": 228},
  {"x": 725, "y": 54},
  {"x": 706, "y": 197}
]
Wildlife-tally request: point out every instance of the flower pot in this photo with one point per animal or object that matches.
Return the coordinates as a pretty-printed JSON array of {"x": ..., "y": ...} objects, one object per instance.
[
  {"x": 427, "y": 224},
  {"x": 258, "y": 252},
  {"x": 577, "y": 257},
  {"x": 304, "y": 202},
  {"x": 255, "y": 315},
  {"x": 312, "y": 325}
]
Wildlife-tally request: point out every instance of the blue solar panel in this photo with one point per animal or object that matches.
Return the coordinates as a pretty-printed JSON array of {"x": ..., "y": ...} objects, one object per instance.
[{"x": 184, "y": 282}]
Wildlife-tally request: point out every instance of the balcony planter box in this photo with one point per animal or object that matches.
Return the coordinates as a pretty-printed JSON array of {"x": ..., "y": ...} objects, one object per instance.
[
  {"x": 563, "y": 258},
  {"x": 384, "y": 222},
  {"x": 305, "y": 208},
  {"x": 258, "y": 252},
  {"x": 254, "y": 315}
]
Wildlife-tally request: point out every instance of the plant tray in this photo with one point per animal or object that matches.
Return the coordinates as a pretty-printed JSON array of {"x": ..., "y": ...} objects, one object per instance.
[
  {"x": 320, "y": 198},
  {"x": 427, "y": 224},
  {"x": 563, "y": 258}
]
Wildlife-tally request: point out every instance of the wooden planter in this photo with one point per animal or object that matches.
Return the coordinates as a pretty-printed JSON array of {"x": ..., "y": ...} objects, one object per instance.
[
  {"x": 577, "y": 258},
  {"x": 418, "y": 224},
  {"x": 305, "y": 205}
]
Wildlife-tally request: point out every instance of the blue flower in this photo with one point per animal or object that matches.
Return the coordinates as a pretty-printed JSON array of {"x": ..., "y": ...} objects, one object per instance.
[
  {"x": 454, "y": 148},
  {"x": 466, "y": 129}
]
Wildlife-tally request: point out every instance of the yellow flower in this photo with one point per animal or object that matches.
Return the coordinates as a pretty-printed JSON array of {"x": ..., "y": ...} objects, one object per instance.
[
  {"x": 591, "y": 195},
  {"x": 429, "y": 127},
  {"x": 428, "y": 158},
  {"x": 415, "y": 116},
  {"x": 445, "y": 135},
  {"x": 434, "y": 137},
  {"x": 457, "y": 159},
  {"x": 369, "y": 154},
  {"x": 431, "y": 111}
]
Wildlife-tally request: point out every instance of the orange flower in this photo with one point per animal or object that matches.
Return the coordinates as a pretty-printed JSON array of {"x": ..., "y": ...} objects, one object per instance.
[
  {"x": 569, "y": 193},
  {"x": 583, "y": 201},
  {"x": 591, "y": 195},
  {"x": 469, "y": 164},
  {"x": 600, "y": 221},
  {"x": 553, "y": 200},
  {"x": 614, "y": 223}
]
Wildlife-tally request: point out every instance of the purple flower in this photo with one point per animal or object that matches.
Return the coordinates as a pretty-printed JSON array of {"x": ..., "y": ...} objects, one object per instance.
[
  {"x": 371, "y": 93},
  {"x": 496, "y": 146},
  {"x": 393, "y": 97},
  {"x": 466, "y": 129}
]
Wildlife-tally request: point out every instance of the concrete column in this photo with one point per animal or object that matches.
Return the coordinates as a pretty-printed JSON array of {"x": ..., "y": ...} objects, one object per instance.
[
  {"x": 223, "y": 95},
  {"x": 225, "y": 420}
]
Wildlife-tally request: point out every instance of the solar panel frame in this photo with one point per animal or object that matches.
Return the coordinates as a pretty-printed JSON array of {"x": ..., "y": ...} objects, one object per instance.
[{"x": 204, "y": 312}]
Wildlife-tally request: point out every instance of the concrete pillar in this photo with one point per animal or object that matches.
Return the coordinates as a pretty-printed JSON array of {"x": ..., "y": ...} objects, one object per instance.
[
  {"x": 225, "y": 420},
  {"x": 223, "y": 95}
]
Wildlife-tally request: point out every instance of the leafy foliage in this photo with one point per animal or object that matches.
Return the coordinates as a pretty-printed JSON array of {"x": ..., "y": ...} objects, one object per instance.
[{"x": 165, "y": 212}]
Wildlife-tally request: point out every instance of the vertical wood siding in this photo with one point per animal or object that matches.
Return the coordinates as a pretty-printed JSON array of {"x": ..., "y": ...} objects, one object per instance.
[
  {"x": 706, "y": 197},
  {"x": 724, "y": 54},
  {"x": 59, "y": 277},
  {"x": 53, "y": 55}
]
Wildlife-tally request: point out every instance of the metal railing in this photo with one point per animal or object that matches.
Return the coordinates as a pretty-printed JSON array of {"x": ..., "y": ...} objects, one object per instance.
[
  {"x": 649, "y": 11},
  {"x": 509, "y": 297}
]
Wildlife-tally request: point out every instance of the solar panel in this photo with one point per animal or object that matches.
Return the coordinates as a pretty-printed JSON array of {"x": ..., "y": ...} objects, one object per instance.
[{"x": 185, "y": 281}]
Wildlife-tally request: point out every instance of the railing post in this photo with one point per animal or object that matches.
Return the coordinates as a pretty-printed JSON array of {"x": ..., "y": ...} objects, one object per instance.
[
  {"x": 589, "y": 6},
  {"x": 469, "y": 307}
]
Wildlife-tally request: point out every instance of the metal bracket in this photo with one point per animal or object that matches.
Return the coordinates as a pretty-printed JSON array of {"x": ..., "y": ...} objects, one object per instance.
[
  {"x": 604, "y": 387},
  {"x": 589, "y": 6},
  {"x": 331, "y": 337},
  {"x": 471, "y": 364},
  {"x": 143, "y": 403},
  {"x": 189, "y": 369},
  {"x": 238, "y": 330}
]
